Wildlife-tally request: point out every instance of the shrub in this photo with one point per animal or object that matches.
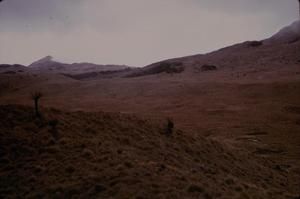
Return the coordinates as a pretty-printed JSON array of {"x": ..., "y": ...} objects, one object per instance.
[
  {"x": 195, "y": 188},
  {"x": 207, "y": 67},
  {"x": 255, "y": 43},
  {"x": 53, "y": 123}
]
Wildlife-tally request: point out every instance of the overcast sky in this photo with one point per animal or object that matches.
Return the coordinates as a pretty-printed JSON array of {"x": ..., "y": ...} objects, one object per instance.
[{"x": 133, "y": 32}]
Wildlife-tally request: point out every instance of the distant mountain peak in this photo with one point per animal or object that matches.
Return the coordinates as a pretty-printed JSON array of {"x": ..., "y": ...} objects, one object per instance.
[
  {"x": 42, "y": 61},
  {"x": 47, "y": 58}
]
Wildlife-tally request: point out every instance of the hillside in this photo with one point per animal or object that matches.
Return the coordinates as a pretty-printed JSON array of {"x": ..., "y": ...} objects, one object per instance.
[
  {"x": 12, "y": 68},
  {"x": 105, "y": 155},
  {"x": 271, "y": 54}
]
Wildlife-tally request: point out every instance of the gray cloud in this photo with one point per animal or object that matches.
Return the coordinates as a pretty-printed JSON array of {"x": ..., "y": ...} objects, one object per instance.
[
  {"x": 38, "y": 14},
  {"x": 135, "y": 32}
]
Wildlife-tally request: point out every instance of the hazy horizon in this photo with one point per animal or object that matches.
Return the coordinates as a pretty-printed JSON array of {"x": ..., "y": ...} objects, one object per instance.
[{"x": 133, "y": 32}]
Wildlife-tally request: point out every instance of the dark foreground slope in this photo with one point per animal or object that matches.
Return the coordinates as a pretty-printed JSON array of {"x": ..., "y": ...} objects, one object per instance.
[{"x": 106, "y": 155}]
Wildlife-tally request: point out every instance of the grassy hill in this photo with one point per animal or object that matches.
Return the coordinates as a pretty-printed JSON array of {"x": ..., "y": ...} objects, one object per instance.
[{"x": 113, "y": 155}]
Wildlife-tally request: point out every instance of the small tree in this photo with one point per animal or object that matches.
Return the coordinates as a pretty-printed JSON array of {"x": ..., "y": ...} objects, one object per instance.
[{"x": 36, "y": 96}]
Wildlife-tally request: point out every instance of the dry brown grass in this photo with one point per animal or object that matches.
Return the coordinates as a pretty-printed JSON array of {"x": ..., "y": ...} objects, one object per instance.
[{"x": 124, "y": 157}]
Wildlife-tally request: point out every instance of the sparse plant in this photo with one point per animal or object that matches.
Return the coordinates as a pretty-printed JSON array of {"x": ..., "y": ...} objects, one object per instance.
[
  {"x": 169, "y": 127},
  {"x": 53, "y": 124},
  {"x": 87, "y": 153},
  {"x": 36, "y": 96}
]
